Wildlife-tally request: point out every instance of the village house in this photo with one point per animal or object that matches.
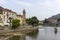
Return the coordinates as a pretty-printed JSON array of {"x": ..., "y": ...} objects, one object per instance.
[{"x": 6, "y": 15}]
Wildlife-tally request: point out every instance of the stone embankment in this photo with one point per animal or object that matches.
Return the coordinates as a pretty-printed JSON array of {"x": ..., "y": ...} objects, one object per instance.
[{"x": 22, "y": 32}]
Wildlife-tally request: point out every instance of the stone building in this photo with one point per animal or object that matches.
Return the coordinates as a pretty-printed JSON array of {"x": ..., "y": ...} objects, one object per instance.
[
  {"x": 6, "y": 15},
  {"x": 22, "y": 18},
  {"x": 52, "y": 20}
]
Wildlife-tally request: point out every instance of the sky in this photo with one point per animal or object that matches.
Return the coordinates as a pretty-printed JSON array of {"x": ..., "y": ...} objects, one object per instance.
[{"x": 40, "y": 8}]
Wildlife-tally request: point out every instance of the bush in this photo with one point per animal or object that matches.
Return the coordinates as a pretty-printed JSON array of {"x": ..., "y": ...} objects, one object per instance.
[{"x": 15, "y": 23}]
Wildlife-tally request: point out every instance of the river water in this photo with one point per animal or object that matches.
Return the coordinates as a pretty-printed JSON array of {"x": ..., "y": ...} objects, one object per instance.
[{"x": 45, "y": 33}]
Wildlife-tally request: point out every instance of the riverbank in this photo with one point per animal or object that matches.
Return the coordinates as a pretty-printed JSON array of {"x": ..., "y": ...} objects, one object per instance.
[{"x": 14, "y": 32}]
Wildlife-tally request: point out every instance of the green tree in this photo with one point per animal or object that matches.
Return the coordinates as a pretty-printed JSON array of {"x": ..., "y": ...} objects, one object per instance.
[
  {"x": 46, "y": 21},
  {"x": 32, "y": 21},
  {"x": 15, "y": 23}
]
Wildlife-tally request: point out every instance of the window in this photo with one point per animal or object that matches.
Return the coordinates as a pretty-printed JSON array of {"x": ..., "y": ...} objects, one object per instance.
[
  {"x": 4, "y": 12},
  {"x": 7, "y": 15},
  {"x": 0, "y": 11},
  {"x": 0, "y": 20},
  {"x": 4, "y": 18}
]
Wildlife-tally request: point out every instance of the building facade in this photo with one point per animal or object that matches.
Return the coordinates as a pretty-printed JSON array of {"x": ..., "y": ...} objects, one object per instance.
[
  {"x": 6, "y": 15},
  {"x": 52, "y": 20}
]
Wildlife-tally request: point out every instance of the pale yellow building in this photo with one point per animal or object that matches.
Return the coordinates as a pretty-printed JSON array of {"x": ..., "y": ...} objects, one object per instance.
[
  {"x": 1, "y": 22},
  {"x": 22, "y": 18},
  {"x": 6, "y": 15}
]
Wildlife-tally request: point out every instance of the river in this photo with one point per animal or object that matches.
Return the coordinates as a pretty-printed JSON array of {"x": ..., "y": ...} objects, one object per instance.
[{"x": 45, "y": 33}]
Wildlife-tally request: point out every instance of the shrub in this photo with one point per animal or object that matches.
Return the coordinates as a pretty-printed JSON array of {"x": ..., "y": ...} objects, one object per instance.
[{"x": 15, "y": 23}]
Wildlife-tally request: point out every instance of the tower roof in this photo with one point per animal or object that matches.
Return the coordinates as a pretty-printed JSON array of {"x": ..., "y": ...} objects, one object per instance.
[{"x": 24, "y": 11}]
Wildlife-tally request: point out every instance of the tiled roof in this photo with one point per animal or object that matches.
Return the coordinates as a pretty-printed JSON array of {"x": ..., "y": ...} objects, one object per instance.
[
  {"x": 7, "y": 10},
  {"x": 19, "y": 15}
]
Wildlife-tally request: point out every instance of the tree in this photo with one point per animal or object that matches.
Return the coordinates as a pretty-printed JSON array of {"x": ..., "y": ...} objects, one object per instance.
[
  {"x": 46, "y": 21},
  {"x": 15, "y": 23},
  {"x": 32, "y": 21}
]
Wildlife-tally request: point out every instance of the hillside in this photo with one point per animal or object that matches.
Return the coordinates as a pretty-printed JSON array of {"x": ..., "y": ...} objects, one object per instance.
[{"x": 55, "y": 16}]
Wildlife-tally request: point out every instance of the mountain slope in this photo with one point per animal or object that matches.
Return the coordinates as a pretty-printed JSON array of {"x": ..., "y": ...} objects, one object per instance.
[{"x": 56, "y": 16}]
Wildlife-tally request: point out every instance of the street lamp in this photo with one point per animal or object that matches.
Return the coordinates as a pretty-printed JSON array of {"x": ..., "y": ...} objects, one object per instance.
[{"x": 10, "y": 20}]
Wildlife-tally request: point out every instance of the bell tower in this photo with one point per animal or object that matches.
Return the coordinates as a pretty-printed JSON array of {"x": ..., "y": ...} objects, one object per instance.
[
  {"x": 24, "y": 17},
  {"x": 24, "y": 13}
]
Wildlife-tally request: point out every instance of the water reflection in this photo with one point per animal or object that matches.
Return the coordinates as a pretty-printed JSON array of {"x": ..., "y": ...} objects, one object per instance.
[
  {"x": 46, "y": 33},
  {"x": 55, "y": 30},
  {"x": 33, "y": 34},
  {"x": 15, "y": 38}
]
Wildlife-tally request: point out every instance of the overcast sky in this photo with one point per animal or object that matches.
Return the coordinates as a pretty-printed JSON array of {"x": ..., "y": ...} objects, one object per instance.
[{"x": 40, "y": 8}]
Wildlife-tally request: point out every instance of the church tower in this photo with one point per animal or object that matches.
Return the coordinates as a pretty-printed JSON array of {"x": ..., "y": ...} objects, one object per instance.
[
  {"x": 24, "y": 17},
  {"x": 24, "y": 13}
]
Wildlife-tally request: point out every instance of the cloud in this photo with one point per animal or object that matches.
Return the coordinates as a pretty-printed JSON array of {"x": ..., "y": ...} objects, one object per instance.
[
  {"x": 50, "y": 4},
  {"x": 23, "y": 3},
  {"x": 3, "y": 1},
  {"x": 46, "y": 8}
]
